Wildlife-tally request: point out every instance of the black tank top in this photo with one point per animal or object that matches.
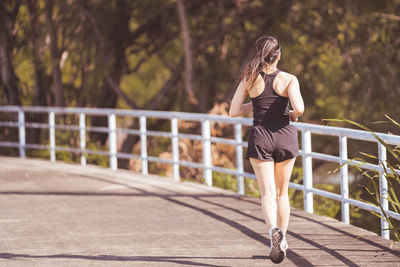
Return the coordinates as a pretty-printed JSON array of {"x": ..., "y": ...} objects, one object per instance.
[{"x": 269, "y": 106}]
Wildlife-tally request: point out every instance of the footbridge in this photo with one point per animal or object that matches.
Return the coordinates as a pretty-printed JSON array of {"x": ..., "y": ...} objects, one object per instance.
[{"x": 59, "y": 214}]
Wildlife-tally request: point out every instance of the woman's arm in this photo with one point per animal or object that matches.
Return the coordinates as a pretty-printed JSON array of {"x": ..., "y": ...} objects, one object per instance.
[
  {"x": 237, "y": 107},
  {"x": 246, "y": 108},
  {"x": 295, "y": 99}
]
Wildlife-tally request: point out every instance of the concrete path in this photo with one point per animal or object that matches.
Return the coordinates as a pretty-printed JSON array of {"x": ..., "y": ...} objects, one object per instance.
[{"x": 68, "y": 215}]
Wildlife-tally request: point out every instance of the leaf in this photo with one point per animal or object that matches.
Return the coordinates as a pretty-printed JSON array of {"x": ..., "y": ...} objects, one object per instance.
[
  {"x": 385, "y": 215},
  {"x": 393, "y": 196},
  {"x": 368, "y": 155},
  {"x": 373, "y": 195},
  {"x": 392, "y": 121},
  {"x": 379, "y": 122},
  {"x": 395, "y": 173},
  {"x": 348, "y": 163},
  {"x": 366, "y": 173}
]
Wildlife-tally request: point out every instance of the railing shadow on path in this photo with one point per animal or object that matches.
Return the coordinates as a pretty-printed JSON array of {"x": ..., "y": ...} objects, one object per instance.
[
  {"x": 173, "y": 259},
  {"x": 293, "y": 257},
  {"x": 256, "y": 236},
  {"x": 171, "y": 196},
  {"x": 336, "y": 229},
  {"x": 296, "y": 258}
]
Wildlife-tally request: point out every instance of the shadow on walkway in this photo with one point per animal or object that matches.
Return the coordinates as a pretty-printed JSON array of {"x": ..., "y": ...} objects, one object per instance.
[
  {"x": 184, "y": 200},
  {"x": 174, "y": 259}
]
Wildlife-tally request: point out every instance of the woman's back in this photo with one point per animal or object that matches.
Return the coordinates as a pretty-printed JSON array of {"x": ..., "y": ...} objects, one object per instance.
[{"x": 268, "y": 105}]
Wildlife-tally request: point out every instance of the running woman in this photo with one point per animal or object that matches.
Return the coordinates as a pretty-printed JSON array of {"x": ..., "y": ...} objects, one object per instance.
[{"x": 272, "y": 142}]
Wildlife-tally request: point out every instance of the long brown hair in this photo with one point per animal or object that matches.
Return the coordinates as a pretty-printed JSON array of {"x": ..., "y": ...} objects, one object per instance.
[{"x": 267, "y": 51}]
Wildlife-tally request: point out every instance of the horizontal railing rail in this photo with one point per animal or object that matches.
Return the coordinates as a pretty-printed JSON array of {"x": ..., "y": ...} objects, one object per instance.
[{"x": 206, "y": 165}]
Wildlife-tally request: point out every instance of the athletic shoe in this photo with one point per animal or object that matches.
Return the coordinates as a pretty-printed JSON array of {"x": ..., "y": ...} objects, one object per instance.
[
  {"x": 284, "y": 244},
  {"x": 278, "y": 245}
]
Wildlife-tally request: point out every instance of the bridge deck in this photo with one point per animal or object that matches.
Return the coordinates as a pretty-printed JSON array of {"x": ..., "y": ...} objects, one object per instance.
[{"x": 68, "y": 215}]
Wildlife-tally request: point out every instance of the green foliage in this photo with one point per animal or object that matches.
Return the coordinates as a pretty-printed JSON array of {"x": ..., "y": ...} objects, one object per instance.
[
  {"x": 157, "y": 145},
  {"x": 343, "y": 53},
  {"x": 251, "y": 187},
  {"x": 322, "y": 206},
  {"x": 389, "y": 171},
  {"x": 340, "y": 51},
  {"x": 331, "y": 208},
  {"x": 296, "y": 197},
  {"x": 44, "y": 154},
  {"x": 225, "y": 181},
  {"x": 145, "y": 83},
  {"x": 96, "y": 159},
  {"x": 62, "y": 137},
  {"x": 325, "y": 206}
]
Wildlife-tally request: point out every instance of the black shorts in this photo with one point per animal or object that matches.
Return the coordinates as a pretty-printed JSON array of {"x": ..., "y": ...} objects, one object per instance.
[{"x": 274, "y": 141}]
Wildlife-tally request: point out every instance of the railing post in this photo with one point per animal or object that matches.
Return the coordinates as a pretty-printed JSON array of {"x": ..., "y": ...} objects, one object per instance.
[
  {"x": 307, "y": 171},
  {"x": 143, "y": 144},
  {"x": 82, "y": 137},
  {"x": 52, "y": 136},
  {"x": 239, "y": 157},
  {"x": 205, "y": 131},
  {"x": 112, "y": 139},
  {"x": 383, "y": 189},
  {"x": 344, "y": 180},
  {"x": 175, "y": 148},
  {"x": 21, "y": 130}
]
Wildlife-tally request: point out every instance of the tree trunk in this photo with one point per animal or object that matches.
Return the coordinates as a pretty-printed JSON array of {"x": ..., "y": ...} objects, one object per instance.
[
  {"x": 188, "y": 53},
  {"x": 41, "y": 85},
  {"x": 55, "y": 57},
  {"x": 107, "y": 98},
  {"x": 40, "y": 78},
  {"x": 8, "y": 77},
  {"x": 113, "y": 53}
]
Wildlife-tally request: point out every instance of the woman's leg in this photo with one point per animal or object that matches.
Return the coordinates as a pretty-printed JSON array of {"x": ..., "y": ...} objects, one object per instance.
[
  {"x": 283, "y": 171},
  {"x": 264, "y": 171}
]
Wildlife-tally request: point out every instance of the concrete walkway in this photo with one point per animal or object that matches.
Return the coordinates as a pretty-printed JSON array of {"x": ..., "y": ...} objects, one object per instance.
[{"x": 67, "y": 215}]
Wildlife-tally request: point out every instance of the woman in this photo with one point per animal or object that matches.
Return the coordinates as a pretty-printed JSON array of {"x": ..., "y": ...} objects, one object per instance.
[{"x": 272, "y": 144}]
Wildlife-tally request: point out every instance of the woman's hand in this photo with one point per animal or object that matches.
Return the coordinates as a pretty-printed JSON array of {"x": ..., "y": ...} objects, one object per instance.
[{"x": 292, "y": 116}]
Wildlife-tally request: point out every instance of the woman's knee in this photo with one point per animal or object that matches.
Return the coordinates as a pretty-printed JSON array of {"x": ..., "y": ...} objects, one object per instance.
[
  {"x": 268, "y": 192},
  {"x": 281, "y": 189},
  {"x": 281, "y": 194}
]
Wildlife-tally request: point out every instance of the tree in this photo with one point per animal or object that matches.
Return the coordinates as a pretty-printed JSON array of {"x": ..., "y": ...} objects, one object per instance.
[
  {"x": 55, "y": 54},
  {"x": 188, "y": 53},
  {"x": 8, "y": 14}
]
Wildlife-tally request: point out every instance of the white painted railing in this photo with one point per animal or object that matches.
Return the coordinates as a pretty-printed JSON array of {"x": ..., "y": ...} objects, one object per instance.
[{"x": 306, "y": 152}]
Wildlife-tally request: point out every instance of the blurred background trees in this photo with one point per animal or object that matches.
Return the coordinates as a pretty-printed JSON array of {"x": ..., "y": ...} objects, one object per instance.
[{"x": 188, "y": 55}]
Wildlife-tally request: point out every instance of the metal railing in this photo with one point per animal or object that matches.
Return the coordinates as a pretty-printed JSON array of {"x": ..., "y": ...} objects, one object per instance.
[{"x": 306, "y": 152}]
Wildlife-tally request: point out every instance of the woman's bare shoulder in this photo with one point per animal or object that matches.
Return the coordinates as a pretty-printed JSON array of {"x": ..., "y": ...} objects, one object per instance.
[
  {"x": 286, "y": 76},
  {"x": 282, "y": 82}
]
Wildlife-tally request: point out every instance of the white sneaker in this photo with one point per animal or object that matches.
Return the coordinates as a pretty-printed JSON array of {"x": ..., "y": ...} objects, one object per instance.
[
  {"x": 278, "y": 245},
  {"x": 284, "y": 245}
]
